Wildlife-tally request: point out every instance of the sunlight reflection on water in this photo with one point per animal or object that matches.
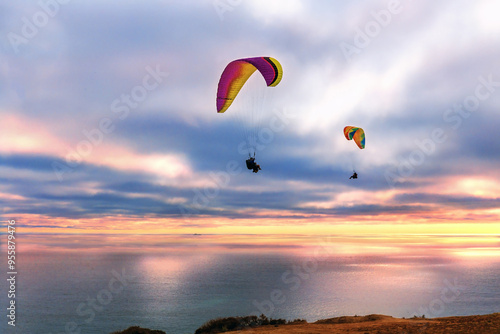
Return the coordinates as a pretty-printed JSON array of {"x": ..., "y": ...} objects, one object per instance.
[{"x": 177, "y": 290}]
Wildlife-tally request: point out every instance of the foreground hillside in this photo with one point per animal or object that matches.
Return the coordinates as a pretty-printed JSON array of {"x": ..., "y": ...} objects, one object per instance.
[
  {"x": 370, "y": 324},
  {"x": 381, "y": 324}
]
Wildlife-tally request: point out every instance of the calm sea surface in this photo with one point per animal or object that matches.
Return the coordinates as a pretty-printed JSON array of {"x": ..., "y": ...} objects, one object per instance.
[{"x": 92, "y": 292}]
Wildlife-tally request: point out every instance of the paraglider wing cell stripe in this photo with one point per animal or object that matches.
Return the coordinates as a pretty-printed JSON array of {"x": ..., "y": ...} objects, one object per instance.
[
  {"x": 274, "y": 68},
  {"x": 278, "y": 72}
]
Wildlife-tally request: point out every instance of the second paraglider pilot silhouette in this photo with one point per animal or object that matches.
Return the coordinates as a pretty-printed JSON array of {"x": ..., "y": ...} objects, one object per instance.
[{"x": 251, "y": 164}]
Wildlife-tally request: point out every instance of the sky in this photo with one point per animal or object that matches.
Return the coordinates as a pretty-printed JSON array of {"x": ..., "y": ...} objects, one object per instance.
[{"x": 109, "y": 123}]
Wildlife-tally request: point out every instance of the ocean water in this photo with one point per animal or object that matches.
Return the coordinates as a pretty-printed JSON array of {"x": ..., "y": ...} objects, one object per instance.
[{"x": 102, "y": 292}]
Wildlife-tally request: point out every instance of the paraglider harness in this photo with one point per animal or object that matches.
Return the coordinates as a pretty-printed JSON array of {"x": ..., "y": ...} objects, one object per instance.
[
  {"x": 251, "y": 164},
  {"x": 354, "y": 176}
]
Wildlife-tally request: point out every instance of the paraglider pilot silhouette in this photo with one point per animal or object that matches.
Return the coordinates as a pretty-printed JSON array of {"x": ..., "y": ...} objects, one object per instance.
[
  {"x": 251, "y": 164},
  {"x": 354, "y": 176}
]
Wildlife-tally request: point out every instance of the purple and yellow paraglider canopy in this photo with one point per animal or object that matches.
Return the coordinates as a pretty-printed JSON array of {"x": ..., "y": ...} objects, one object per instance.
[{"x": 237, "y": 73}]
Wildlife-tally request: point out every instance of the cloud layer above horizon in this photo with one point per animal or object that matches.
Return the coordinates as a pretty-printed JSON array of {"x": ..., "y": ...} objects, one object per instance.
[{"x": 108, "y": 114}]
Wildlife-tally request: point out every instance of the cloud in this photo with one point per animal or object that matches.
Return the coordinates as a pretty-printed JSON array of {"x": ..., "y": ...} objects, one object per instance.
[{"x": 461, "y": 202}]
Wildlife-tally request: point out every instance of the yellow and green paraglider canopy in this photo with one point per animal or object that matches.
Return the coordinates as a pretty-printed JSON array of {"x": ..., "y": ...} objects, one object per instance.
[{"x": 352, "y": 132}]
